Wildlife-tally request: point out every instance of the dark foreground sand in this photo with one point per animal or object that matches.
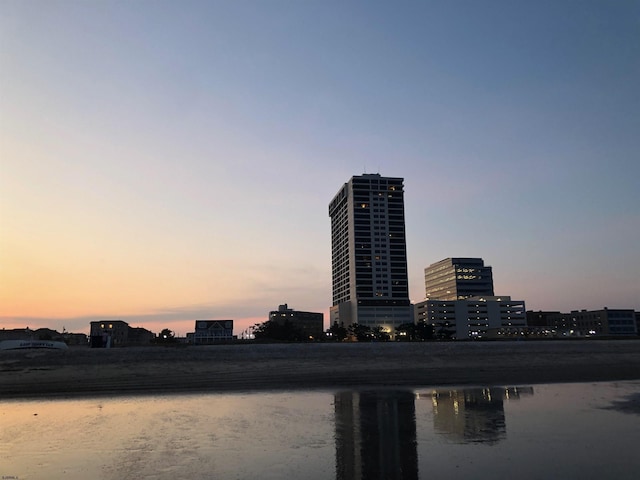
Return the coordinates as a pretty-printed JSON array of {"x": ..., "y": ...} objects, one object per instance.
[{"x": 226, "y": 368}]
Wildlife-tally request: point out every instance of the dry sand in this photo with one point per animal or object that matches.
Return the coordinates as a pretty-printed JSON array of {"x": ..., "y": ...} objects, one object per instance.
[{"x": 225, "y": 368}]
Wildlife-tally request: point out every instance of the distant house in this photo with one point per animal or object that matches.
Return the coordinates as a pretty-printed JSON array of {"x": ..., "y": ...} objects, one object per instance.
[
  {"x": 16, "y": 334},
  {"x": 209, "y": 332},
  {"x": 43, "y": 334},
  {"x": 140, "y": 336},
  {"x": 116, "y": 333}
]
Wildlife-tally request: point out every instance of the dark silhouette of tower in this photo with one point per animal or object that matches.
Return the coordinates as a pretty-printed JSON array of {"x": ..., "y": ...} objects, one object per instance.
[{"x": 376, "y": 435}]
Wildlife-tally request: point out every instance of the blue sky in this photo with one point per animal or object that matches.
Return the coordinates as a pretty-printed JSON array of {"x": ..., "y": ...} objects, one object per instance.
[{"x": 167, "y": 161}]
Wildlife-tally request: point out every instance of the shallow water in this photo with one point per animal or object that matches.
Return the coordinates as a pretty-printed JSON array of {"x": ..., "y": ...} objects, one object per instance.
[{"x": 543, "y": 431}]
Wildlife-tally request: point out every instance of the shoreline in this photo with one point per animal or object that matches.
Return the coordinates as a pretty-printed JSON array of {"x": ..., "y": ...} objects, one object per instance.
[{"x": 247, "y": 368}]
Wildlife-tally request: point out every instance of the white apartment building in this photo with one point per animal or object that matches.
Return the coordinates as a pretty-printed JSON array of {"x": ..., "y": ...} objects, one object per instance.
[{"x": 473, "y": 317}]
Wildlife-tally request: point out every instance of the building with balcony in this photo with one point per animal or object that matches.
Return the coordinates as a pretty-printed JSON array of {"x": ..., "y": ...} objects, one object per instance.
[{"x": 209, "y": 332}]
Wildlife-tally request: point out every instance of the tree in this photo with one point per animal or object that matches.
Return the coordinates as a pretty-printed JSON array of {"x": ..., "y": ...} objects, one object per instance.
[
  {"x": 284, "y": 332},
  {"x": 418, "y": 332},
  {"x": 406, "y": 332},
  {"x": 338, "y": 332},
  {"x": 380, "y": 335},
  {"x": 445, "y": 331},
  {"x": 424, "y": 331},
  {"x": 166, "y": 336},
  {"x": 361, "y": 332}
]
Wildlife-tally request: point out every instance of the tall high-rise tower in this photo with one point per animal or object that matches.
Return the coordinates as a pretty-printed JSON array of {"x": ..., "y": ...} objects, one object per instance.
[{"x": 369, "y": 253}]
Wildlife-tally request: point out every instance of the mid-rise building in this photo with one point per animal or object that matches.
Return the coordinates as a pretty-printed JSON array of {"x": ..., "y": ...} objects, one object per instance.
[
  {"x": 369, "y": 254},
  {"x": 473, "y": 317},
  {"x": 311, "y": 324},
  {"x": 458, "y": 278}
]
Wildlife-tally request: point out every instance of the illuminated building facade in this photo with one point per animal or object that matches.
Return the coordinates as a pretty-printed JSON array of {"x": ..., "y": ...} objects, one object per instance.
[
  {"x": 369, "y": 254},
  {"x": 458, "y": 278},
  {"x": 473, "y": 317},
  {"x": 473, "y": 415}
]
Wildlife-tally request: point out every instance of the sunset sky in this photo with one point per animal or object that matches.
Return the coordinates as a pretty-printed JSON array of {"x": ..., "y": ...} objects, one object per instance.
[{"x": 165, "y": 161}]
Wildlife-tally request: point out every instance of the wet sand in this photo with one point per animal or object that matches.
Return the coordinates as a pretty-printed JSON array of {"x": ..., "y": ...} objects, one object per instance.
[{"x": 242, "y": 368}]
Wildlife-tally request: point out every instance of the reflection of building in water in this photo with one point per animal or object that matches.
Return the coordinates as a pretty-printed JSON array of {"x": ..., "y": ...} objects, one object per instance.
[
  {"x": 376, "y": 435},
  {"x": 473, "y": 414}
]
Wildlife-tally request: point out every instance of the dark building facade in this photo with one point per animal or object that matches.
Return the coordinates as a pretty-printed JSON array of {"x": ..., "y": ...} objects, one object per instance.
[
  {"x": 457, "y": 279},
  {"x": 369, "y": 254},
  {"x": 311, "y": 324},
  {"x": 44, "y": 334},
  {"x": 117, "y": 333},
  {"x": 608, "y": 321},
  {"x": 376, "y": 435}
]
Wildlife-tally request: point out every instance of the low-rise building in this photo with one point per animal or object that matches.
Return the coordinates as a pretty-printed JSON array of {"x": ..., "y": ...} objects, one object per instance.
[
  {"x": 311, "y": 324},
  {"x": 603, "y": 322},
  {"x": 140, "y": 336},
  {"x": 44, "y": 334},
  {"x": 117, "y": 333},
  {"x": 473, "y": 317}
]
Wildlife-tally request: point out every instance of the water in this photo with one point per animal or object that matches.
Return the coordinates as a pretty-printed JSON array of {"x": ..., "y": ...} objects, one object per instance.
[{"x": 539, "y": 432}]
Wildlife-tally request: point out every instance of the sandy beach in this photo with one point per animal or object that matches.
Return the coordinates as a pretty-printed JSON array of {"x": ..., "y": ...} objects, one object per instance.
[{"x": 223, "y": 368}]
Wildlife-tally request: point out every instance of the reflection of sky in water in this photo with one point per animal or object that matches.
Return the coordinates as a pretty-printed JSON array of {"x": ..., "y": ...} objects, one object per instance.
[{"x": 546, "y": 431}]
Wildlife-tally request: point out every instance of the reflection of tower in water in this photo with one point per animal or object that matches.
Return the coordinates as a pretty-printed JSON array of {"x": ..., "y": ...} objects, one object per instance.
[
  {"x": 376, "y": 435},
  {"x": 473, "y": 414}
]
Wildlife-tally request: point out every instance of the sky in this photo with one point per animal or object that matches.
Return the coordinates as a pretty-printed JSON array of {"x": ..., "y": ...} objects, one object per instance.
[{"x": 164, "y": 161}]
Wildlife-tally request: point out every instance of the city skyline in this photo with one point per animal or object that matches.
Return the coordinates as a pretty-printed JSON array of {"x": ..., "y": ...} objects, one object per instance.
[{"x": 161, "y": 163}]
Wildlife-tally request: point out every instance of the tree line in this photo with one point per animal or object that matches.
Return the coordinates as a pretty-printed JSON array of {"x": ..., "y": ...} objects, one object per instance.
[{"x": 410, "y": 332}]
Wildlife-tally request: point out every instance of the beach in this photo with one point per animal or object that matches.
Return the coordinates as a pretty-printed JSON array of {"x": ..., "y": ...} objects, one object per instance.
[{"x": 81, "y": 371}]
